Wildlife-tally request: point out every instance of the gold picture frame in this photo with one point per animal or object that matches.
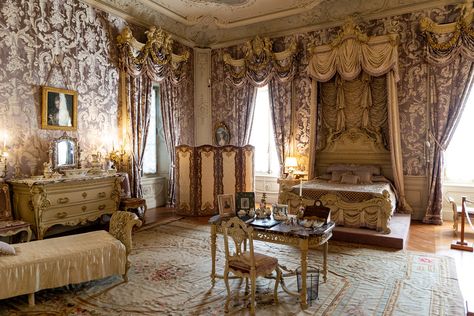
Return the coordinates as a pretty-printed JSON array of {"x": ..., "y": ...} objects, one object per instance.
[
  {"x": 226, "y": 204},
  {"x": 221, "y": 134},
  {"x": 58, "y": 109}
]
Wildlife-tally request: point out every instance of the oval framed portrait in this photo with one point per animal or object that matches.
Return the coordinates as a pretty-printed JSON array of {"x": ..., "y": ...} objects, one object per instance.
[{"x": 221, "y": 135}]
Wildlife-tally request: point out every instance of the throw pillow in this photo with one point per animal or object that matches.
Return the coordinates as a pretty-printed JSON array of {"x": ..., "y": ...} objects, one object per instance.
[
  {"x": 336, "y": 176},
  {"x": 350, "y": 179},
  {"x": 6, "y": 249},
  {"x": 365, "y": 176}
]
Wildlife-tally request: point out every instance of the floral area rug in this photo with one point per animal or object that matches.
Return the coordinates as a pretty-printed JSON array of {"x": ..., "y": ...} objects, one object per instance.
[{"x": 170, "y": 272}]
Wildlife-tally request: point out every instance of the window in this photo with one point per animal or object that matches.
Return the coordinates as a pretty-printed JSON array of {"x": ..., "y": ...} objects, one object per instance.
[
  {"x": 262, "y": 135},
  {"x": 460, "y": 152},
  {"x": 150, "y": 158}
]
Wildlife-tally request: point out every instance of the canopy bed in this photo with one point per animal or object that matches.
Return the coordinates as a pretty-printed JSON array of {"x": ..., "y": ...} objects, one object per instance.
[{"x": 358, "y": 127}]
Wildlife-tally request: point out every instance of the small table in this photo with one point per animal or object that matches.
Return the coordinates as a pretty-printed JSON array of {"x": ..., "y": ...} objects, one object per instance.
[
  {"x": 285, "y": 235},
  {"x": 8, "y": 226}
]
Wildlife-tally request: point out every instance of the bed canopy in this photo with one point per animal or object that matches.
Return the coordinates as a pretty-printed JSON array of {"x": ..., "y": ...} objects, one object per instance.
[{"x": 351, "y": 53}]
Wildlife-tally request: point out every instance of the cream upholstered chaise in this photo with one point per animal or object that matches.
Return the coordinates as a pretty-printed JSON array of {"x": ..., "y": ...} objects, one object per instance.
[{"x": 55, "y": 262}]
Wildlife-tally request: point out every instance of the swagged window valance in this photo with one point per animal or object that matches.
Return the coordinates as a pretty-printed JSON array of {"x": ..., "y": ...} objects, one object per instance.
[
  {"x": 353, "y": 51},
  {"x": 155, "y": 58},
  {"x": 445, "y": 42},
  {"x": 260, "y": 63}
]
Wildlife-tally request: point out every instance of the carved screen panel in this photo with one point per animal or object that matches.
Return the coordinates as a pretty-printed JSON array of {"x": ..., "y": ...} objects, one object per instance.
[
  {"x": 184, "y": 176},
  {"x": 248, "y": 168},
  {"x": 205, "y": 179},
  {"x": 229, "y": 155}
]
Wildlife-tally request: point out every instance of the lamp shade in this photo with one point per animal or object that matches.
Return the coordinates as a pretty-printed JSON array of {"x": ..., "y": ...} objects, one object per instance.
[{"x": 291, "y": 162}]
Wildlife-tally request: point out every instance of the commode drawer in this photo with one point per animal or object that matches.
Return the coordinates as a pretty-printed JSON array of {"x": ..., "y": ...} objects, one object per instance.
[
  {"x": 81, "y": 195},
  {"x": 78, "y": 210}
]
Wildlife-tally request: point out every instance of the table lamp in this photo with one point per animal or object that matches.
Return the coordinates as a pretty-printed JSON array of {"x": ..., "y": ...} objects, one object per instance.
[{"x": 291, "y": 164}]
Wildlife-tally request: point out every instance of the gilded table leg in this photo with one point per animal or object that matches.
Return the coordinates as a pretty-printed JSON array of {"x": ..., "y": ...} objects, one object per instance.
[
  {"x": 213, "y": 253},
  {"x": 29, "y": 233},
  {"x": 325, "y": 261},
  {"x": 304, "y": 269}
]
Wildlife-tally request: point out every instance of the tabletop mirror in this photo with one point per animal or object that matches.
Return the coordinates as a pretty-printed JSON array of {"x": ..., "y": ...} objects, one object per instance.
[{"x": 64, "y": 153}]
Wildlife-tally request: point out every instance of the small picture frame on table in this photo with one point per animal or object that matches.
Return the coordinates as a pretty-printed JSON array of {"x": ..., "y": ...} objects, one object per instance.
[
  {"x": 245, "y": 205},
  {"x": 226, "y": 205}
]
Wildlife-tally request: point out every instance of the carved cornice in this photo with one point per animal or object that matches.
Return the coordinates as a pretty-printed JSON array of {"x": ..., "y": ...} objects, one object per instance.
[
  {"x": 258, "y": 55},
  {"x": 432, "y": 30},
  {"x": 159, "y": 46}
]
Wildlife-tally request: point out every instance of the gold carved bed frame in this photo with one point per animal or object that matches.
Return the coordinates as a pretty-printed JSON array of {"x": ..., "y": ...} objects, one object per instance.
[{"x": 353, "y": 146}]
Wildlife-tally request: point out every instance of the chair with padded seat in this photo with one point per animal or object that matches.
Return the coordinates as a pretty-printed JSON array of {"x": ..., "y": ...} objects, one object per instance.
[
  {"x": 246, "y": 264},
  {"x": 9, "y": 226}
]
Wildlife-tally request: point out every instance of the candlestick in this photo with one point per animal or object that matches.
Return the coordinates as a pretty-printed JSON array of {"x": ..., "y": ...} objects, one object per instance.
[{"x": 301, "y": 187}]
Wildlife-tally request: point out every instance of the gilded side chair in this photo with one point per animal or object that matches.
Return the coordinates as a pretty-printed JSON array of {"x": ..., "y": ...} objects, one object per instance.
[
  {"x": 457, "y": 210},
  {"x": 246, "y": 264}
]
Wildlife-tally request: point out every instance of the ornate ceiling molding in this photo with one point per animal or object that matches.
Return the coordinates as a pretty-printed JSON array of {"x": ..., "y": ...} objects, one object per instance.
[{"x": 213, "y": 28}]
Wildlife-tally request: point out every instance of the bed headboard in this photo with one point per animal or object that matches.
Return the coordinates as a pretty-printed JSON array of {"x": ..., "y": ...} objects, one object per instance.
[{"x": 355, "y": 146}]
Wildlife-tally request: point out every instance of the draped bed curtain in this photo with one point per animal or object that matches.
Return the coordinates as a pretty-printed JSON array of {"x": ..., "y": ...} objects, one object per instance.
[
  {"x": 450, "y": 56},
  {"x": 348, "y": 55},
  {"x": 141, "y": 65},
  {"x": 262, "y": 66}
]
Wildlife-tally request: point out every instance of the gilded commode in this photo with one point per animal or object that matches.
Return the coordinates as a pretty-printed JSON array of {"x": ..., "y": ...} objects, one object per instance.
[{"x": 68, "y": 201}]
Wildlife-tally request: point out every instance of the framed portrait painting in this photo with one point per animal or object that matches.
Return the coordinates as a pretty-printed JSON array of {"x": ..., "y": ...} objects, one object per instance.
[
  {"x": 222, "y": 135},
  {"x": 245, "y": 205},
  {"x": 226, "y": 205},
  {"x": 58, "y": 109}
]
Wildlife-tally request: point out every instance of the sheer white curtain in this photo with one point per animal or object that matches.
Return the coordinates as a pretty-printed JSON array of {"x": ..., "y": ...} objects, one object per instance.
[
  {"x": 460, "y": 152},
  {"x": 262, "y": 135}
]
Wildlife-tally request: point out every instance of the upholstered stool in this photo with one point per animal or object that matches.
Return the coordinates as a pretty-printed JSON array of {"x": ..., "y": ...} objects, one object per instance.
[{"x": 138, "y": 204}]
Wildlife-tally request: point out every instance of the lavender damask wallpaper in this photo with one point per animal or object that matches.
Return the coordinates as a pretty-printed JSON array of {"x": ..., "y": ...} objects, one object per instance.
[
  {"x": 412, "y": 87},
  {"x": 31, "y": 33}
]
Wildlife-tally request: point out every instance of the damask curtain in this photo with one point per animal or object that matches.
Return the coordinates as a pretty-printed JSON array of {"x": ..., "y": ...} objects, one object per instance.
[
  {"x": 242, "y": 99},
  {"x": 259, "y": 67},
  {"x": 280, "y": 103},
  {"x": 169, "y": 95},
  {"x": 348, "y": 55},
  {"x": 141, "y": 65},
  {"x": 138, "y": 109},
  {"x": 450, "y": 54}
]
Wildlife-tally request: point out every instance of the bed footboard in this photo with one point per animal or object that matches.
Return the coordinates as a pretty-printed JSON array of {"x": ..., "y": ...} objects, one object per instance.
[{"x": 373, "y": 214}]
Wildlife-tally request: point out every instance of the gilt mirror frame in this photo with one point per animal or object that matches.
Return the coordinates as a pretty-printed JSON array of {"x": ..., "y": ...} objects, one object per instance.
[{"x": 53, "y": 152}]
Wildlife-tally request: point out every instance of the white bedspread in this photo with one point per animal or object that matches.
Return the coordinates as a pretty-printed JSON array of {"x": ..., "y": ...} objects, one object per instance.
[{"x": 60, "y": 261}]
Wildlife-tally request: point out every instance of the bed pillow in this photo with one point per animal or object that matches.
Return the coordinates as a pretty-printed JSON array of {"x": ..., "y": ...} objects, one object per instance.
[
  {"x": 365, "y": 176},
  {"x": 373, "y": 170},
  {"x": 336, "y": 176},
  {"x": 6, "y": 249},
  {"x": 339, "y": 168},
  {"x": 349, "y": 178},
  {"x": 326, "y": 176}
]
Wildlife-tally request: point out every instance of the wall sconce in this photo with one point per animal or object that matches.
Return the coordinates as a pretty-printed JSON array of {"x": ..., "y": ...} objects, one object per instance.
[{"x": 291, "y": 164}]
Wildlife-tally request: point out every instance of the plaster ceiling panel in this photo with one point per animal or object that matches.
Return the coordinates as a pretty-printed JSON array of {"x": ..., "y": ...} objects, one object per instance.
[
  {"x": 229, "y": 13},
  {"x": 217, "y": 23}
]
